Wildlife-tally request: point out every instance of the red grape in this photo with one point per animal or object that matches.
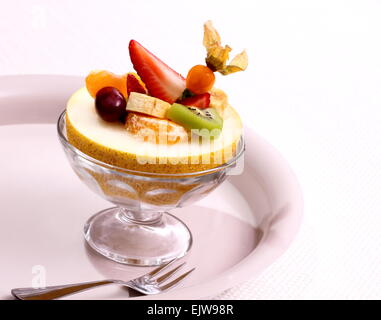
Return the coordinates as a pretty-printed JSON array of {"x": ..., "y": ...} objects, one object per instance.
[{"x": 110, "y": 104}]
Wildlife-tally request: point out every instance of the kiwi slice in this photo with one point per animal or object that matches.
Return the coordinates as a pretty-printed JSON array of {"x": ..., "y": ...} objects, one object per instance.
[{"x": 192, "y": 118}]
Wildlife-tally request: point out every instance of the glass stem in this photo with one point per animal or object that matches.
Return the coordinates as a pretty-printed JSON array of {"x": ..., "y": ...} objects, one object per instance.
[{"x": 139, "y": 217}]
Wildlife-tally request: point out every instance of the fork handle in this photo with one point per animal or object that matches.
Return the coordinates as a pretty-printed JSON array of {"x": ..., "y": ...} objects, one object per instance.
[{"x": 54, "y": 292}]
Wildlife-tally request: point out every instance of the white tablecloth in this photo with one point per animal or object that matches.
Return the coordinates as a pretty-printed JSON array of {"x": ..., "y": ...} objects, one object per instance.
[{"x": 312, "y": 89}]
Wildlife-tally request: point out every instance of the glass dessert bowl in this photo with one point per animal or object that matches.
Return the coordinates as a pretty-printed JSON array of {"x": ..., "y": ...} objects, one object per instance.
[
  {"x": 149, "y": 142},
  {"x": 139, "y": 231}
]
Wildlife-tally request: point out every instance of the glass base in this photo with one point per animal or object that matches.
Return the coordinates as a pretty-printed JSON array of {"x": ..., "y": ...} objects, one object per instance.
[{"x": 132, "y": 238}]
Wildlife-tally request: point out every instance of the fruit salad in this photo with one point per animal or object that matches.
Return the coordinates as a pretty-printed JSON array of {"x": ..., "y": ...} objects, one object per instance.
[{"x": 155, "y": 112}]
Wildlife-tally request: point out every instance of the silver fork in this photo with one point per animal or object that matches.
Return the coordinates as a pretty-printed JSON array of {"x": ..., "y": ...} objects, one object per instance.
[{"x": 145, "y": 284}]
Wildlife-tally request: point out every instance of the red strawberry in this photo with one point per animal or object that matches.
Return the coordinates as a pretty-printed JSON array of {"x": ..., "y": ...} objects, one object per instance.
[
  {"x": 201, "y": 101},
  {"x": 162, "y": 82},
  {"x": 134, "y": 85}
]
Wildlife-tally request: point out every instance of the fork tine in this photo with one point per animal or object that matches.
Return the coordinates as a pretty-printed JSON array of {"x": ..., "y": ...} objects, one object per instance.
[
  {"x": 154, "y": 272},
  {"x": 176, "y": 281},
  {"x": 169, "y": 274}
]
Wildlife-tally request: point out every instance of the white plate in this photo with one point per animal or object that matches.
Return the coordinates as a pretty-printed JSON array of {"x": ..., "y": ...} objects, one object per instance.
[{"x": 238, "y": 230}]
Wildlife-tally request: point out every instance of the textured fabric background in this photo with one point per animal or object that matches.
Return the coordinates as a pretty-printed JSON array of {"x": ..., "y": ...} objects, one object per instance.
[{"x": 312, "y": 89}]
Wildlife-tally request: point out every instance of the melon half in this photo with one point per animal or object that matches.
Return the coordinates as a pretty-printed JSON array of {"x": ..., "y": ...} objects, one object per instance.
[{"x": 113, "y": 144}]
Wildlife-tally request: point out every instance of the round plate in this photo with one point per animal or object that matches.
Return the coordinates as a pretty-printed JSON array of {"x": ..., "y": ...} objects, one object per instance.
[{"x": 238, "y": 230}]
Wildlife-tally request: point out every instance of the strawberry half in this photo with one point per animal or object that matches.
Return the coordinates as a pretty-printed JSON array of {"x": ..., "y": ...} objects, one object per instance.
[
  {"x": 201, "y": 101},
  {"x": 162, "y": 82},
  {"x": 134, "y": 84}
]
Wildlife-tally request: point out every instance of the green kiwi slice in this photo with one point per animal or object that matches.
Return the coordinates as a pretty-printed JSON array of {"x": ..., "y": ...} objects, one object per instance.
[{"x": 204, "y": 122}]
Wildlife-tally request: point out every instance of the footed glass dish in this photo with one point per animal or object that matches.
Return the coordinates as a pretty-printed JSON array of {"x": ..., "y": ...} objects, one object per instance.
[{"x": 138, "y": 230}]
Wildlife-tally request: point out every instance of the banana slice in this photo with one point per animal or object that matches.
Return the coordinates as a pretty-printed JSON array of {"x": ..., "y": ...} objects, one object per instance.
[
  {"x": 143, "y": 103},
  {"x": 159, "y": 131},
  {"x": 218, "y": 100}
]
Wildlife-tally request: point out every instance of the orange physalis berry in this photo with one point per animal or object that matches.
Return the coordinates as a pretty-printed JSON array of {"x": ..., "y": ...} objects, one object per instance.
[
  {"x": 97, "y": 80},
  {"x": 200, "y": 79}
]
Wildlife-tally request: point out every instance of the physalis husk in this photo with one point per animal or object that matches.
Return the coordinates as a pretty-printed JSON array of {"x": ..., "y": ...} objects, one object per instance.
[{"x": 217, "y": 55}]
